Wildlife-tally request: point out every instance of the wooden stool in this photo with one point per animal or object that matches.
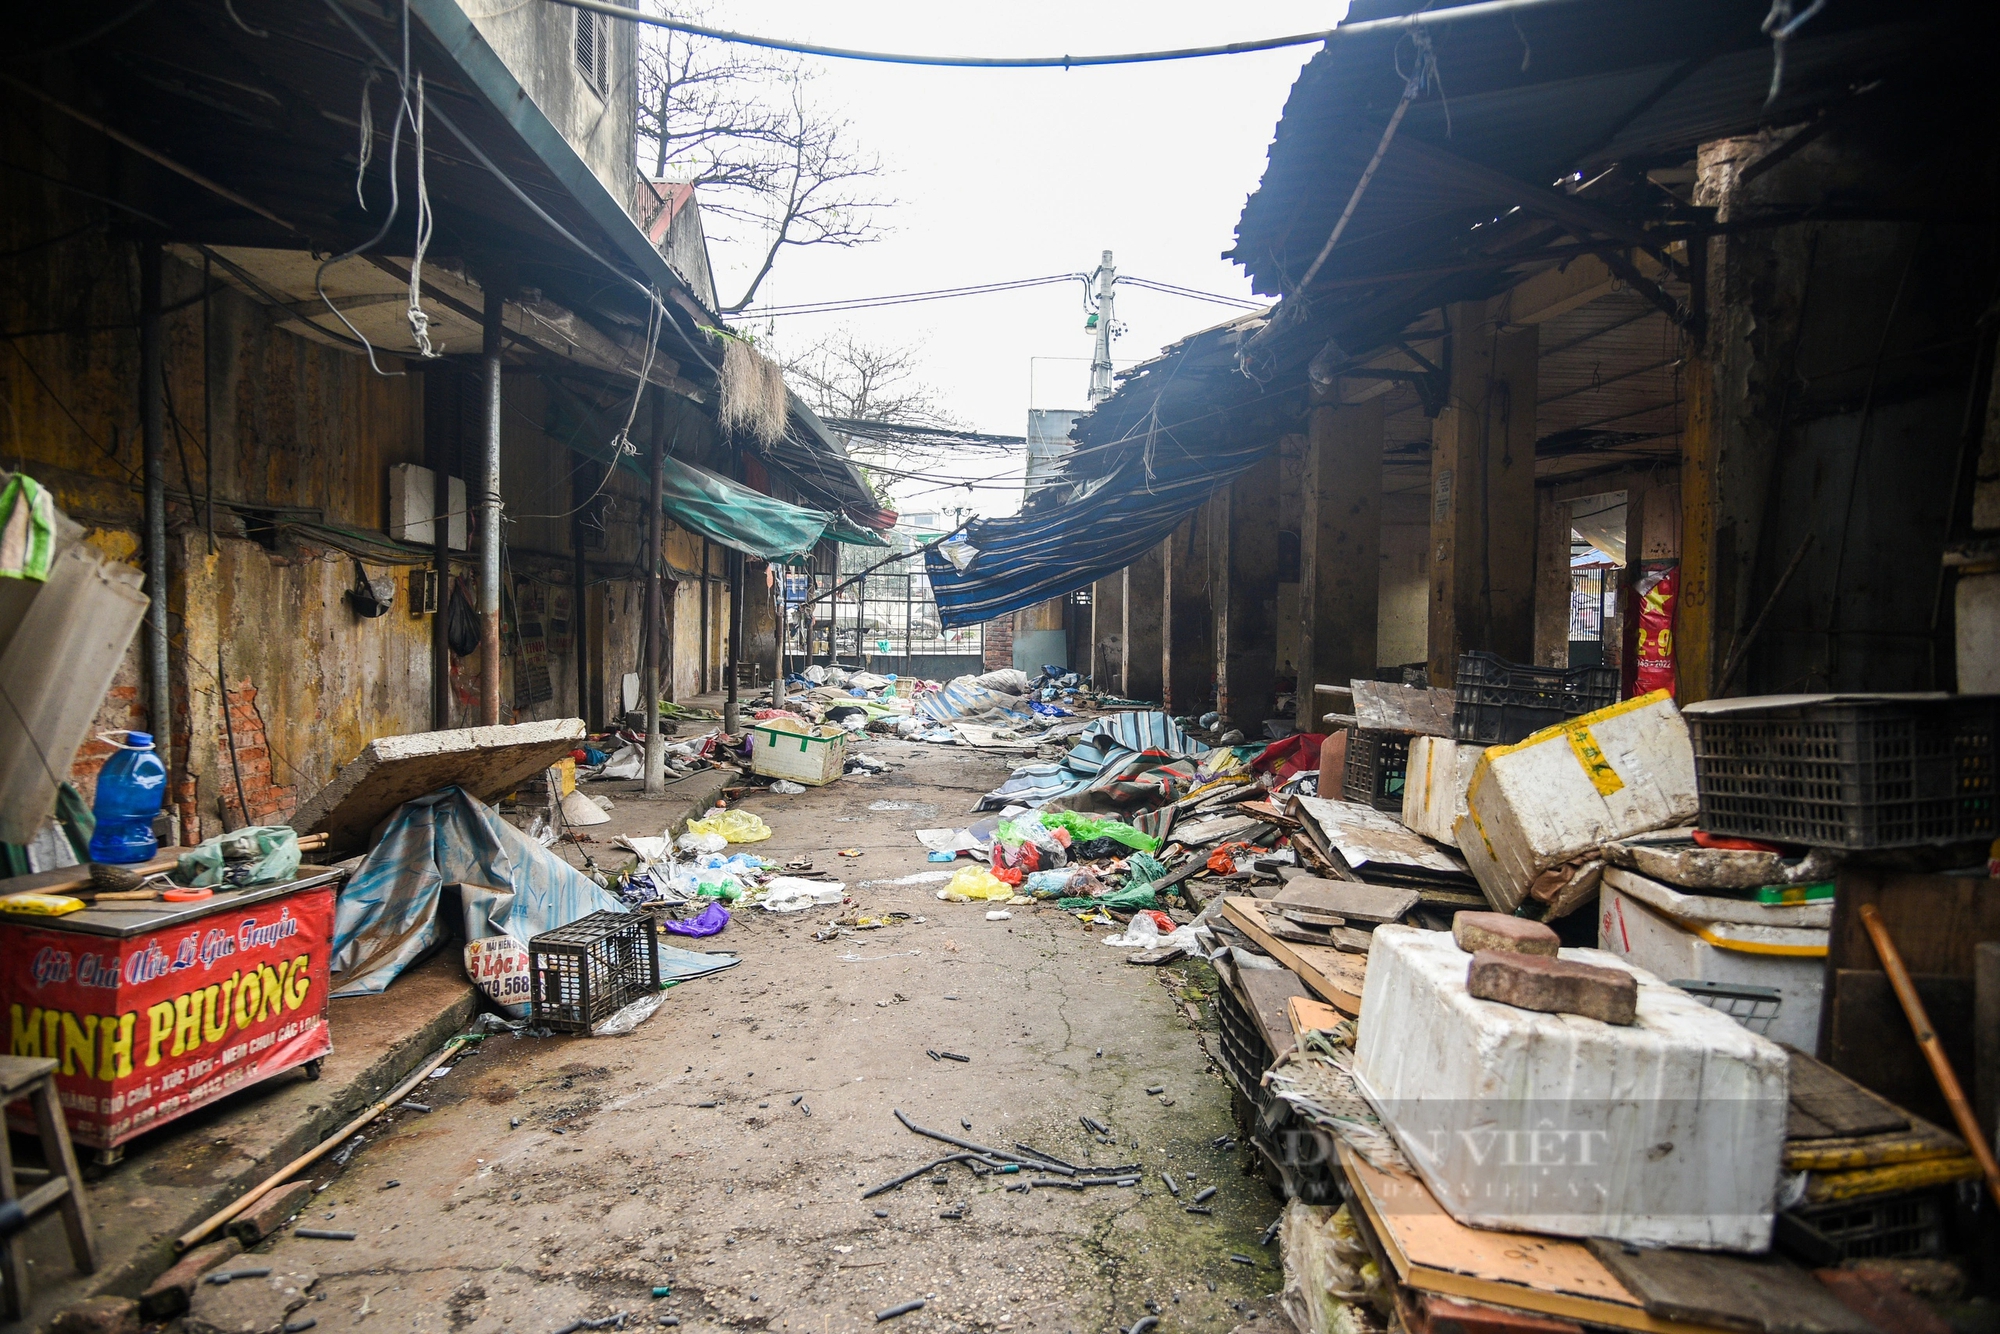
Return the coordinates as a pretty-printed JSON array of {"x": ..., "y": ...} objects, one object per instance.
[{"x": 35, "y": 1079}]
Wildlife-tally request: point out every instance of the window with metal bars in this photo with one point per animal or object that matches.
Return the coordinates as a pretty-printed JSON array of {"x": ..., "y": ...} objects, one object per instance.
[{"x": 593, "y": 55}]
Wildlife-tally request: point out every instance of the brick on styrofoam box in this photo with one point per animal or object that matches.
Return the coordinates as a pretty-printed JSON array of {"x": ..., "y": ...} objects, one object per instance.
[
  {"x": 1568, "y": 790},
  {"x": 1476, "y": 931},
  {"x": 1434, "y": 784},
  {"x": 1669, "y": 1132}
]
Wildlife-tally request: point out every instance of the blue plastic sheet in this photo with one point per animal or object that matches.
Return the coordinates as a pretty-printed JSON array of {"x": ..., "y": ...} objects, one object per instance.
[{"x": 387, "y": 916}]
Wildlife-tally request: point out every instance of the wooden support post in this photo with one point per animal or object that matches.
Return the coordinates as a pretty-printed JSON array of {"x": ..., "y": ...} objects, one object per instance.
[
  {"x": 1483, "y": 495},
  {"x": 731, "y": 716},
  {"x": 1246, "y": 636},
  {"x": 1187, "y": 616},
  {"x": 649, "y": 676},
  {"x": 1340, "y": 550},
  {"x": 1107, "y": 632},
  {"x": 1141, "y": 654}
]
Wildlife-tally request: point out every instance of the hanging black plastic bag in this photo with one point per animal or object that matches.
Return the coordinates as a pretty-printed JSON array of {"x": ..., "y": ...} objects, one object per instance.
[{"x": 461, "y": 631}]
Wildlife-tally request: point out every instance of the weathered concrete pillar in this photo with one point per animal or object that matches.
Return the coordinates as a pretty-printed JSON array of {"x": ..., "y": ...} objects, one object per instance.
[
  {"x": 1552, "y": 579},
  {"x": 1245, "y": 552},
  {"x": 1187, "y": 615},
  {"x": 1340, "y": 549},
  {"x": 1107, "y": 631},
  {"x": 1144, "y": 660},
  {"x": 1483, "y": 496}
]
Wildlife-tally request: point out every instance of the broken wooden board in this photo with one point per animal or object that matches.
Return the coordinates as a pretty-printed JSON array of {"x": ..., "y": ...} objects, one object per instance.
[
  {"x": 1270, "y": 992},
  {"x": 1733, "y": 1291},
  {"x": 1387, "y": 706},
  {"x": 1336, "y": 977},
  {"x": 1348, "y": 899},
  {"x": 1826, "y": 1104},
  {"x": 1312, "y": 918},
  {"x": 1307, "y": 1015},
  {"x": 487, "y": 762},
  {"x": 1433, "y": 1252},
  {"x": 1364, "y": 837}
]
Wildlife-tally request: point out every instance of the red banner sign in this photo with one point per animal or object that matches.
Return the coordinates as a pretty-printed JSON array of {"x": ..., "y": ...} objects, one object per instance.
[
  {"x": 154, "y": 1026},
  {"x": 1656, "y": 589}
]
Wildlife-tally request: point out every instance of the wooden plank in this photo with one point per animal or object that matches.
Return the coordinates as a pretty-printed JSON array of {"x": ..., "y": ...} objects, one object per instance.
[
  {"x": 1937, "y": 921},
  {"x": 1336, "y": 977},
  {"x": 1733, "y": 1291},
  {"x": 1826, "y": 1104},
  {"x": 1869, "y": 1038},
  {"x": 1270, "y": 993},
  {"x": 1388, "y": 706},
  {"x": 1307, "y": 1014},
  {"x": 1433, "y": 1252},
  {"x": 1986, "y": 1034},
  {"x": 1350, "y": 899}
]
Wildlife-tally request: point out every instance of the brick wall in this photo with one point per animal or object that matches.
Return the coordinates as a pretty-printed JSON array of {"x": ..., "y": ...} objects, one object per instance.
[
  {"x": 999, "y": 638},
  {"x": 267, "y": 801}
]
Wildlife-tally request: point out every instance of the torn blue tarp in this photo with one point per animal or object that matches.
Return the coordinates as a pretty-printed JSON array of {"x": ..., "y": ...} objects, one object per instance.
[
  {"x": 1119, "y": 759},
  {"x": 387, "y": 915}
]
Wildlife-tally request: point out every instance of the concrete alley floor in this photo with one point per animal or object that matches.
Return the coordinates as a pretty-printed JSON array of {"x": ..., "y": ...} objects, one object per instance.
[{"x": 721, "y": 1149}]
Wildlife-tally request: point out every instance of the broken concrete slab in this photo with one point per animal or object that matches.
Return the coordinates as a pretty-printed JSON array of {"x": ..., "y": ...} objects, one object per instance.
[
  {"x": 1554, "y": 986},
  {"x": 172, "y": 1291},
  {"x": 1348, "y": 899},
  {"x": 254, "y": 1304},
  {"x": 1476, "y": 931},
  {"x": 488, "y": 762}
]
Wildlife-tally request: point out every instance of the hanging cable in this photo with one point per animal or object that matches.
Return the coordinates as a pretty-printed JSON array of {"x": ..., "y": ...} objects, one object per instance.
[
  {"x": 1400, "y": 23},
  {"x": 420, "y": 322},
  {"x": 905, "y": 298}
]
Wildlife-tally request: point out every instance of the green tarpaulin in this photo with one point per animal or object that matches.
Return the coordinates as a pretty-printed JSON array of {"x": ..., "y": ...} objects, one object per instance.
[{"x": 734, "y": 515}]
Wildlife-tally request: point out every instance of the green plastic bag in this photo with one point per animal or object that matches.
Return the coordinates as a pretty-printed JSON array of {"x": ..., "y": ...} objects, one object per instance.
[
  {"x": 1137, "y": 895},
  {"x": 258, "y": 854},
  {"x": 1084, "y": 828}
]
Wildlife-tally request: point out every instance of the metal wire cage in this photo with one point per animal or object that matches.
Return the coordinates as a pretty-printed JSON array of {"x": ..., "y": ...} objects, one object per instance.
[{"x": 583, "y": 973}]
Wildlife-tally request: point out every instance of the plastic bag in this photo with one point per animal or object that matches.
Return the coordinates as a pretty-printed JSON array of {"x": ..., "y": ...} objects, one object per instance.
[
  {"x": 973, "y": 883},
  {"x": 461, "y": 632},
  {"x": 789, "y": 894},
  {"x": 262, "y": 854},
  {"x": 1154, "y": 930},
  {"x": 1087, "y": 827},
  {"x": 736, "y": 826},
  {"x": 694, "y": 841}
]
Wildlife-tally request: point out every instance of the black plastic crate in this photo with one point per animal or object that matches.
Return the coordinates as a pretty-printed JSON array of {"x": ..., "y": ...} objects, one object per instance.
[
  {"x": 1880, "y": 1227},
  {"x": 581, "y": 974},
  {"x": 1501, "y": 702},
  {"x": 1850, "y": 773},
  {"x": 1377, "y": 764}
]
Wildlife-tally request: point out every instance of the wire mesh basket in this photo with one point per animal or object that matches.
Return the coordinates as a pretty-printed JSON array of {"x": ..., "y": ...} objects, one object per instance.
[
  {"x": 1500, "y": 702},
  {"x": 1756, "y": 1008},
  {"x": 583, "y": 973},
  {"x": 1378, "y": 763}
]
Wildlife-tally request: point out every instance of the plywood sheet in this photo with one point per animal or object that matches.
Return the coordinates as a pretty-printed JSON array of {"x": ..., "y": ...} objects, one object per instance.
[
  {"x": 1349, "y": 899},
  {"x": 1826, "y": 1104},
  {"x": 1433, "y": 1252}
]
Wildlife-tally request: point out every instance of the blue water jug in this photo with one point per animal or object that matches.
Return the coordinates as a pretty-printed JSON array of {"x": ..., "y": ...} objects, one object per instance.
[{"x": 130, "y": 790}]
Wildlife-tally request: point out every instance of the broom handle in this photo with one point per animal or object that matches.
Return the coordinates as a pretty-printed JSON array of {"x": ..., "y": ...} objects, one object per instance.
[{"x": 1927, "y": 1038}]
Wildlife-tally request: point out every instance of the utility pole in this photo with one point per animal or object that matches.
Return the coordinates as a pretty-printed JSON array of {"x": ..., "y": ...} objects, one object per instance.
[{"x": 1103, "y": 322}]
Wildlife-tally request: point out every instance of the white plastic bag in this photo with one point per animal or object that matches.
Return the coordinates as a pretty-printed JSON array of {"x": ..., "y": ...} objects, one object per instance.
[
  {"x": 789, "y": 894},
  {"x": 1145, "y": 933}
]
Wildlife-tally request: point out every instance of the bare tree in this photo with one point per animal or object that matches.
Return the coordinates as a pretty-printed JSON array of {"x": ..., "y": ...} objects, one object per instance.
[
  {"x": 850, "y": 380},
  {"x": 737, "y": 124}
]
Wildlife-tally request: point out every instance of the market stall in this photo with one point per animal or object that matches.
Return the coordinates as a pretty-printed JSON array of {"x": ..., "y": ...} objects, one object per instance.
[{"x": 155, "y": 1008}]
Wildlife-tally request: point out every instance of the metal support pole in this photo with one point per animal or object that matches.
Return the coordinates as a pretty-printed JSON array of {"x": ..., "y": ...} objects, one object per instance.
[
  {"x": 153, "y": 440},
  {"x": 707, "y": 594},
  {"x": 730, "y": 712},
  {"x": 579, "y": 621},
  {"x": 435, "y": 457},
  {"x": 489, "y": 513},
  {"x": 649, "y": 677},
  {"x": 783, "y": 619}
]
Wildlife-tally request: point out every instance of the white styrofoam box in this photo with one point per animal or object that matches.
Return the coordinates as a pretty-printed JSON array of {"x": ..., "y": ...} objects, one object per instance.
[
  {"x": 413, "y": 506},
  {"x": 814, "y": 759},
  {"x": 1434, "y": 784},
  {"x": 1567, "y": 790},
  {"x": 1698, "y": 938},
  {"x": 1669, "y": 1132}
]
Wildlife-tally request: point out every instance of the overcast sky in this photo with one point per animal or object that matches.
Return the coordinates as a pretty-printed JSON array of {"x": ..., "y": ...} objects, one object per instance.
[{"x": 1005, "y": 174}]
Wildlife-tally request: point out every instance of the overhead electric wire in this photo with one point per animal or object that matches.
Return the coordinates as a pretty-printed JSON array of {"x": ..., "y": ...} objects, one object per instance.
[
  {"x": 1400, "y": 23},
  {"x": 904, "y": 298},
  {"x": 1171, "y": 289}
]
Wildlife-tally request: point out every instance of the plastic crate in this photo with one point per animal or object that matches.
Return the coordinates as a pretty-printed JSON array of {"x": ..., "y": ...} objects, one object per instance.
[
  {"x": 1756, "y": 1008},
  {"x": 1377, "y": 764},
  {"x": 1853, "y": 773},
  {"x": 813, "y": 759},
  {"x": 1501, "y": 702},
  {"x": 1879, "y": 1227},
  {"x": 581, "y": 974}
]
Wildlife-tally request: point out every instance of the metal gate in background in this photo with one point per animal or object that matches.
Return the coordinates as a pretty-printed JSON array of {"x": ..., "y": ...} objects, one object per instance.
[{"x": 886, "y": 623}]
